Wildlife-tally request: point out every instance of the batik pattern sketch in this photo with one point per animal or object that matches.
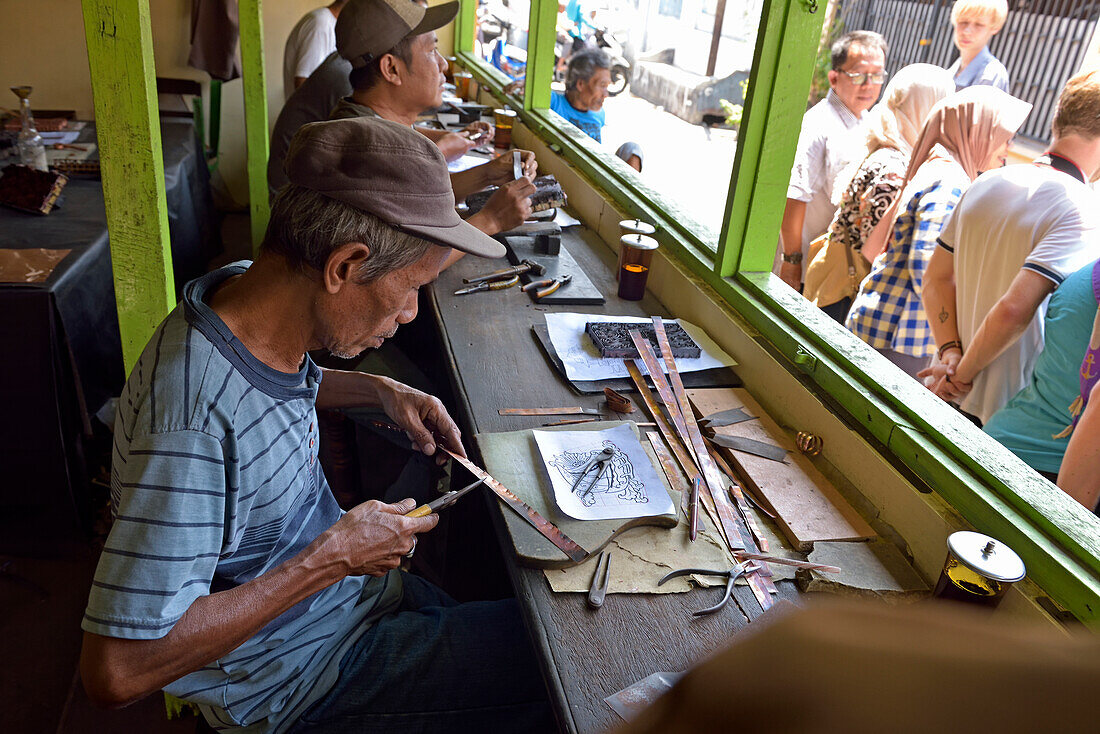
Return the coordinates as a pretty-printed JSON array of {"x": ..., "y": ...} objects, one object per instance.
[{"x": 617, "y": 482}]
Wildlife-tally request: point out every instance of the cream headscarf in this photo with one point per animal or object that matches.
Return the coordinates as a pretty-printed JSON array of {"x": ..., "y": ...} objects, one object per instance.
[
  {"x": 896, "y": 121},
  {"x": 971, "y": 124}
]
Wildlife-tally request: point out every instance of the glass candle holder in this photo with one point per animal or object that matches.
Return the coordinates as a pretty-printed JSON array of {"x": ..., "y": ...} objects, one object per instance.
[
  {"x": 978, "y": 570},
  {"x": 503, "y": 120},
  {"x": 632, "y": 226},
  {"x": 636, "y": 251},
  {"x": 462, "y": 84}
]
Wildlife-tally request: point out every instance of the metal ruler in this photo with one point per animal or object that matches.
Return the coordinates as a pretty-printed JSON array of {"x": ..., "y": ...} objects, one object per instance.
[{"x": 548, "y": 529}]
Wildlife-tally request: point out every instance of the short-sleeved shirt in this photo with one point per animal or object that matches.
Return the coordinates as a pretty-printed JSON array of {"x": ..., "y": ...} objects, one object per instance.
[
  {"x": 887, "y": 312},
  {"x": 1018, "y": 217},
  {"x": 1028, "y": 424},
  {"x": 311, "y": 102},
  {"x": 214, "y": 481},
  {"x": 984, "y": 69},
  {"x": 826, "y": 145},
  {"x": 589, "y": 122},
  {"x": 311, "y": 40}
]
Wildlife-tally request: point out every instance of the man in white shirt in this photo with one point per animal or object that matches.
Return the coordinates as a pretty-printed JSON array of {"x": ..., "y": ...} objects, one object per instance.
[
  {"x": 825, "y": 145},
  {"x": 1015, "y": 235},
  {"x": 311, "y": 41}
]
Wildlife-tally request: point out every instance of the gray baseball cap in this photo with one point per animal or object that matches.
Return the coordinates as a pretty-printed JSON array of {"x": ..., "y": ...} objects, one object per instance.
[
  {"x": 366, "y": 29},
  {"x": 389, "y": 170}
]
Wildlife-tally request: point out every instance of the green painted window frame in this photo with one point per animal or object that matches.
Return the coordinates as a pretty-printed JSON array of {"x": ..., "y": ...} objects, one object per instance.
[{"x": 990, "y": 487}]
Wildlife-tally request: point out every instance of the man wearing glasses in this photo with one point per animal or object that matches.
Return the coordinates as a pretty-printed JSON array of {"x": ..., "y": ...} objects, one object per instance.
[{"x": 827, "y": 144}]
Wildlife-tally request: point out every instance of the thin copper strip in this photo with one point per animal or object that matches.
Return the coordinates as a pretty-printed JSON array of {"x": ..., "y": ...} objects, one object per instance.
[
  {"x": 712, "y": 480},
  {"x": 548, "y": 529},
  {"x": 789, "y": 562},
  {"x": 669, "y": 465},
  {"x": 742, "y": 504}
]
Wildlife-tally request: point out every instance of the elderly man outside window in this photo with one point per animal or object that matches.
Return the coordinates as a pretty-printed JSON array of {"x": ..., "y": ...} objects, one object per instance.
[
  {"x": 827, "y": 145},
  {"x": 230, "y": 577}
]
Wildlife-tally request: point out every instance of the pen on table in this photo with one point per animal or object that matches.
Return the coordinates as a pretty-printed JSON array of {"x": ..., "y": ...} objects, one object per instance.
[{"x": 693, "y": 510}]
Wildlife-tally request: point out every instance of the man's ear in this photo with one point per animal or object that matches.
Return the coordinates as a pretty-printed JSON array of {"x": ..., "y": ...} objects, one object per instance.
[
  {"x": 390, "y": 69},
  {"x": 343, "y": 265},
  {"x": 834, "y": 77}
]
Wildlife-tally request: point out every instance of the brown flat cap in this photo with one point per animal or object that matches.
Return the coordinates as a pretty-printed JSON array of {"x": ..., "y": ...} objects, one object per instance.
[
  {"x": 389, "y": 170},
  {"x": 366, "y": 29}
]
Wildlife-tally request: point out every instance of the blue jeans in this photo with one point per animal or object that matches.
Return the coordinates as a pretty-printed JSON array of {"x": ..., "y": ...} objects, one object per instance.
[{"x": 436, "y": 665}]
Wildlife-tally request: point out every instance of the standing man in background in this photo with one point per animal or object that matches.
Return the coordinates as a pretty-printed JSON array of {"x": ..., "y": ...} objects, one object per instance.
[
  {"x": 825, "y": 146},
  {"x": 311, "y": 41}
]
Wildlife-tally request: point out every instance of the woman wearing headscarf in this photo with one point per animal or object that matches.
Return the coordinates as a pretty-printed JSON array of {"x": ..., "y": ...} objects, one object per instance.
[
  {"x": 965, "y": 134},
  {"x": 866, "y": 193}
]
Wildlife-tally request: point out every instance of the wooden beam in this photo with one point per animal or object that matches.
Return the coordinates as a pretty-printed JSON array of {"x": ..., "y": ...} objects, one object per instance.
[
  {"x": 716, "y": 36},
  {"x": 255, "y": 115},
  {"x": 120, "y": 54},
  {"x": 542, "y": 35}
]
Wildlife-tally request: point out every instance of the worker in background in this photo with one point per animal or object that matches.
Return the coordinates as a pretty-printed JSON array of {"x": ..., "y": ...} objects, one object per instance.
[{"x": 312, "y": 39}]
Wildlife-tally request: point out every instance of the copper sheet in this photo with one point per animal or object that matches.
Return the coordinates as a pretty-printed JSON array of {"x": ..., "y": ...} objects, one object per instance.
[{"x": 32, "y": 265}]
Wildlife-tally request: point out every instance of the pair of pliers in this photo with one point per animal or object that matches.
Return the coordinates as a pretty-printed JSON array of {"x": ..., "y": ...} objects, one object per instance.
[
  {"x": 488, "y": 285},
  {"x": 600, "y": 462},
  {"x": 547, "y": 286},
  {"x": 731, "y": 576}
]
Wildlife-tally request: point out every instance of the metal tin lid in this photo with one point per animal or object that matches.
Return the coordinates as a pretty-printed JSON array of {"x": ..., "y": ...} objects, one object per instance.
[
  {"x": 991, "y": 558},
  {"x": 636, "y": 226},
  {"x": 638, "y": 241}
]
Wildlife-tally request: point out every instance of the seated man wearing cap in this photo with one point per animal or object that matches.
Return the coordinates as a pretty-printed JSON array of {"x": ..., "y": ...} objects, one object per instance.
[
  {"x": 231, "y": 578},
  {"x": 396, "y": 74}
]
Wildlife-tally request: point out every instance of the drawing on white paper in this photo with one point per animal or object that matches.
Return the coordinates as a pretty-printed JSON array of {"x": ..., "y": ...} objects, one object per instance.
[
  {"x": 605, "y": 470},
  {"x": 602, "y": 475}
]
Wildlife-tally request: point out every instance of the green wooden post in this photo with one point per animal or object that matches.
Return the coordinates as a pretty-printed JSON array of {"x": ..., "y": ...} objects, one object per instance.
[
  {"x": 785, "y": 53},
  {"x": 120, "y": 54},
  {"x": 255, "y": 115},
  {"x": 465, "y": 22},
  {"x": 542, "y": 33}
]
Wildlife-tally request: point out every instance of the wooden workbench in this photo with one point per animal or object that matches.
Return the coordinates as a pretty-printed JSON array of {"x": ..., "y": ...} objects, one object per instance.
[{"x": 496, "y": 363}]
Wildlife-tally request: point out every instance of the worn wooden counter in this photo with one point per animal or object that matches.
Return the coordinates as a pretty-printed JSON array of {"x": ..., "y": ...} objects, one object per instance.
[{"x": 496, "y": 363}]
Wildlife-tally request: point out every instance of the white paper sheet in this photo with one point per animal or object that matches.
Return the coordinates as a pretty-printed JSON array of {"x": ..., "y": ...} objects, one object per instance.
[
  {"x": 583, "y": 361},
  {"x": 628, "y": 488},
  {"x": 564, "y": 219},
  {"x": 467, "y": 161}
]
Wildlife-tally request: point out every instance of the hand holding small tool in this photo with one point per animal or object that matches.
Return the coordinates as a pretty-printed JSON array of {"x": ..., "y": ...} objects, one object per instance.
[
  {"x": 445, "y": 501},
  {"x": 502, "y": 169},
  {"x": 423, "y": 418}
]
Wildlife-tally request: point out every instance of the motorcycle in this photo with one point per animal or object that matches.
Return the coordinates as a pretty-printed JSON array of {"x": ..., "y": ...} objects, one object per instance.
[{"x": 621, "y": 69}]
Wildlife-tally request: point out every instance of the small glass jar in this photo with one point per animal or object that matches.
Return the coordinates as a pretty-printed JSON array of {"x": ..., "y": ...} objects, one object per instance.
[
  {"x": 503, "y": 119},
  {"x": 978, "y": 570},
  {"x": 637, "y": 255},
  {"x": 32, "y": 149},
  {"x": 632, "y": 226},
  {"x": 462, "y": 84}
]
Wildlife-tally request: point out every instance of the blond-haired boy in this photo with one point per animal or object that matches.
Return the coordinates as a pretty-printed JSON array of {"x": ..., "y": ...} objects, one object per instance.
[{"x": 975, "y": 23}]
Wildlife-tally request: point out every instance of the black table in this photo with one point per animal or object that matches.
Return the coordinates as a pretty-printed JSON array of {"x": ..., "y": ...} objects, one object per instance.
[
  {"x": 61, "y": 340},
  {"x": 585, "y": 654}
]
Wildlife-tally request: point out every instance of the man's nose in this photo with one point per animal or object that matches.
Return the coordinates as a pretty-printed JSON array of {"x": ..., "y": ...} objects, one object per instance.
[{"x": 408, "y": 313}]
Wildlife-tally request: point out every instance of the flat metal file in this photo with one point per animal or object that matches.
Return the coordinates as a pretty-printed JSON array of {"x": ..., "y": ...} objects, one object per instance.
[
  {"x": 726, "y": 418},
  {"x": 752, "y": 446},
  {"x": 547, "y": 529},
  {"x": 572, "y": 410}
]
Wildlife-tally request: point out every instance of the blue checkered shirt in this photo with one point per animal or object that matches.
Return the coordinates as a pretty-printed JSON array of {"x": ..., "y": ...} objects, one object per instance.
[{"x": 887, "y": 312}]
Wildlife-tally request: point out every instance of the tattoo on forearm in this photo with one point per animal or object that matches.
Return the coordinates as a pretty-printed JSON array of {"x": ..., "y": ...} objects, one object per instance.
[{"x": 943, "y": 314}]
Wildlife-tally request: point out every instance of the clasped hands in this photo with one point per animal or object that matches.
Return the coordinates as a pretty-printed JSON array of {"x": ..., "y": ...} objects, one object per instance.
[{"x": 944, "y": 383}]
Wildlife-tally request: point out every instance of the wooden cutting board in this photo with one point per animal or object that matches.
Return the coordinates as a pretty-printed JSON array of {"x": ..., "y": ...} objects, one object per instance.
[
  {"x": 513, "y": 459},
  {"x": 808, "y": 507}
]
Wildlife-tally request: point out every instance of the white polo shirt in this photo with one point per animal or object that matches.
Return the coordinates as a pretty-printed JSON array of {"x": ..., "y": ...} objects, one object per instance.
[
  {"x": 826, "y": 145},
  {"x": 311, "y": 41},
  {"x": 1017, "y": 217}
]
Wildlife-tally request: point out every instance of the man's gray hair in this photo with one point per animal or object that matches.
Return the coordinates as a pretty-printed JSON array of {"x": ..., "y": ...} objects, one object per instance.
[
  {"x": 863, "y": 39},
  {"x": 306, "y": 227},
  {"x": 584, "y": 64}
]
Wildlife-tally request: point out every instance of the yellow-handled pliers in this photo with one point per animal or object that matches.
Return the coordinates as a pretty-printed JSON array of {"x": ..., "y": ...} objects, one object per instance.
[
  {"x": 488, "y": 285},
  {"x": 548, "y": 286}
]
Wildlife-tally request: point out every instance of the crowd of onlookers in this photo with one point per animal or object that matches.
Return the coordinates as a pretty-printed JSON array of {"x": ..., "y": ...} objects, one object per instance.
[{"x": 978, "y": 278}]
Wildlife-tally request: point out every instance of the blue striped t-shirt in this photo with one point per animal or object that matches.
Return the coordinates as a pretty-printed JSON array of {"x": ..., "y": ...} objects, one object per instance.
[{"x": 214, "y": 481}]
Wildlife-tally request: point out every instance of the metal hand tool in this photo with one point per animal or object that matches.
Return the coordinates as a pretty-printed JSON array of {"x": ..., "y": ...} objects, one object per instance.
[
  {"x": 731, "y": 576},
  {"x": 752, "y": 446},
  {"x": 488, "y": 285},
  {"x": 524, "y": 267},
  {"x": 571, "y": 410},
  {"x": 446, "y": 500},
  {"x": 693, "y": 510},
  {"x": 599, "y": 462},
  {"x": 600, "y": 581},
  {"x": 546, "y": 287},
  {"x": 517, "y": 165}
]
